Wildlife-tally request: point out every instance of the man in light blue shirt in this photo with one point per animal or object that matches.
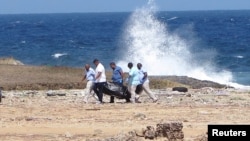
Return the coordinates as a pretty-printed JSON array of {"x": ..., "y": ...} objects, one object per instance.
[
  {"x": 133, "y": 81},
  {"x": 89, "y": 75},
  {"x": 143, "y": 75}
]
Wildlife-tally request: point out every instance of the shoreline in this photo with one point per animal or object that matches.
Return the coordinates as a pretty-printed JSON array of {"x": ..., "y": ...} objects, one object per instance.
[
  {"x": 41, "y": 102},
  {"x": 18, "y": 77}
]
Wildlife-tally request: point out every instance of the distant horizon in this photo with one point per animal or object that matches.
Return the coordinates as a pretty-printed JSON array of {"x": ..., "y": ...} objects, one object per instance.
[
  {"x": 118, "y": 12},
  {"x": 97, "y": 6}
]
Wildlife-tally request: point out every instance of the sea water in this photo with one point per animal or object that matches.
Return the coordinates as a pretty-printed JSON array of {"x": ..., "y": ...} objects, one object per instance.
[{"x": 207, "y": 45}]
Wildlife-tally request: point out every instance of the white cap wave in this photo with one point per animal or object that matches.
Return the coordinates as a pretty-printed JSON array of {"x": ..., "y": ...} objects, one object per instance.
[
  {"x": 57, "y": 55},
  {"x": 147, "y": 40}
]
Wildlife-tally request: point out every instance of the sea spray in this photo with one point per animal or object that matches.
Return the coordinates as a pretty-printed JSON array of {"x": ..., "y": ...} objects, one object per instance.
[{"x": 147, "y": 40}]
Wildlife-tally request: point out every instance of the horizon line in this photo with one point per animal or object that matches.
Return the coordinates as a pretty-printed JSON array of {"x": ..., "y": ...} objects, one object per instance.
[{"x": 118, "y": 12}]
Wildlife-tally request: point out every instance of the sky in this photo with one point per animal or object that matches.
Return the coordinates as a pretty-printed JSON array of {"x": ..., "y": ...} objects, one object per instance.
[{"x": 80, "y": 6}]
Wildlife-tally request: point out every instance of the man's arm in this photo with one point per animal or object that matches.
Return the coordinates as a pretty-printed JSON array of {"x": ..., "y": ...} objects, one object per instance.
[
  {"x": 98, "y": 75},
  {"x": 145, "y": 75},
  {"x": 122, "y": 74},
  {"x": 84, "y": 77}
]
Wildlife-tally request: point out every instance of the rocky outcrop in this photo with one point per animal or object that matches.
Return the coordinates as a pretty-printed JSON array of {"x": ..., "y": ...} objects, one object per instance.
[
  {"x": 10, "y": 61},
  {"x": 192, "y": 82}
]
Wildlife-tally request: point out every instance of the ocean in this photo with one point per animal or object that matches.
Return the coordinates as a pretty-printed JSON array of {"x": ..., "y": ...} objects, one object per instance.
[{"x": 207, "y": 45}]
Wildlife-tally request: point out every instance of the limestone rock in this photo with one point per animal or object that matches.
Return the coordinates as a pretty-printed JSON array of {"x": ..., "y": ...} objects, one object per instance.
[
  {"x": 172, "y": 131},
  {"x": 149, "y": 133}
]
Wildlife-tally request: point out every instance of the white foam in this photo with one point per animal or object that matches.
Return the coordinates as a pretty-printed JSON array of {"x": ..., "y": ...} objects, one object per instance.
[
  {"x": 57, "y": 55},
  {"x": 173, "y": 18},
  {"x": 148, "y": 41},
  {"x": 239, "y": 56}
]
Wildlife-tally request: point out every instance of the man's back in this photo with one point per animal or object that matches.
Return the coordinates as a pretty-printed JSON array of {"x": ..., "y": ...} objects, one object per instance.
[
  {"x": 142, "y": 76},
  {"x": 100, "y": 68},
  {"x": 117, "y": 75},
  {"x": 134, "y": 78}
]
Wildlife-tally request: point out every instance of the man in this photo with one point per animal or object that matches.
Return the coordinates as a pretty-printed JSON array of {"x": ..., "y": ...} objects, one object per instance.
[
  {"x": 145, "y": 82},
  {"x": 100, "y": 80},
  {"x": 133, "y": 81},
  {"x": 117, "y": 77},
  {"x": 90, "y": 77}
]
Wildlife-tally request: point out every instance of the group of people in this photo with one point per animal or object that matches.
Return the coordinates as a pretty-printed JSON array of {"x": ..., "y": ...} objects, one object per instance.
[{"x": 96, "y": 80}]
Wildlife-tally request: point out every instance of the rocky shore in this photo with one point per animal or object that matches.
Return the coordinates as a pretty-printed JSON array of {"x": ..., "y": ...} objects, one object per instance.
[
  {"x": 46, "y": 103},
  {"x": 62, "y": 114}
]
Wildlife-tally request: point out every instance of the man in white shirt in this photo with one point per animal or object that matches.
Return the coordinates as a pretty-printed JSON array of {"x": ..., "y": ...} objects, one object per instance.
[
  {"x": 145, "y": 82},
  {"x": 100, "y": 79},
  {"x": 89, "y": 75}
]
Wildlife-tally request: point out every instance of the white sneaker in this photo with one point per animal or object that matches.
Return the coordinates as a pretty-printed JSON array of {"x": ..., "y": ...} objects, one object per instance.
[
  {"x": 98, "y": 102},
  {"x": 137, "y": 99},
  {"x": 85, "y": 101},
  {"x": 154, "y": 101}
]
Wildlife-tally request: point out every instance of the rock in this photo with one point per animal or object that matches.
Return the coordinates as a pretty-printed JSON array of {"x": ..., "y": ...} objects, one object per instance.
[
  {"x": 150, "y": 133},
  {"x": 52, "y": 93},
  {"x": 140, "y": 133},
  {"x": 180, "y": 89},
  {"x": 10, "y": 61},
  {"x": 29, "y": 118},
  {"x": 62, "y": 94},
  {"x": 172, "y": 131},
  {"x": 194, "y": 83},
  {"x": 139, "y": 116}
]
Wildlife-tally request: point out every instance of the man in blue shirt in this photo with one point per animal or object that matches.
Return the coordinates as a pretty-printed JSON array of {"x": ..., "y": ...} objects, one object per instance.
[
  {"x": 143, "y": 75},
  {"x": 89, "y": 75},
  {"x": 117, "y": 77}
]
